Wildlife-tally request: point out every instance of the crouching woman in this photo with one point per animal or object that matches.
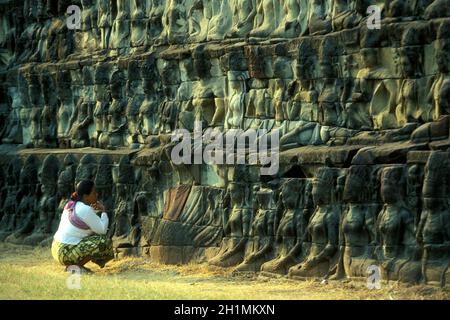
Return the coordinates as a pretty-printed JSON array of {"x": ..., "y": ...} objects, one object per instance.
[{"x": 81, "y": 235}]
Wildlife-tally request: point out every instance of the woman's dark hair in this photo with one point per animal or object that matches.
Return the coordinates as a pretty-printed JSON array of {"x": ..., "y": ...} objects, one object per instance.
[{"x": 83, "y": 187}]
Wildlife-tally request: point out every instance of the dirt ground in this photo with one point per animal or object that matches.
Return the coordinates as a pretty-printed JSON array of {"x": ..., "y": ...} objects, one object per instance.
[{"x": 31, "y": 273}]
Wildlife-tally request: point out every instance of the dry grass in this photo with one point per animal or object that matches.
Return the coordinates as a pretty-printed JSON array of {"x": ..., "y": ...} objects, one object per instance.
[{"x": 30, "y": 273}]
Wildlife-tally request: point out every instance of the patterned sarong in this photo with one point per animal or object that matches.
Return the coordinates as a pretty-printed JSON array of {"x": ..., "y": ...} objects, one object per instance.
[{"x": 97, "y": 248}]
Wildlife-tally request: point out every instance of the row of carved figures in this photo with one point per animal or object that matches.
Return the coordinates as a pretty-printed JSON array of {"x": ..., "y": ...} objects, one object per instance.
[
  {"x": 102, "y": 106},
  {"x": 33, "y": 196},
  {"x": 333, "y": 225},
  {"x": 122, "y": 24}
]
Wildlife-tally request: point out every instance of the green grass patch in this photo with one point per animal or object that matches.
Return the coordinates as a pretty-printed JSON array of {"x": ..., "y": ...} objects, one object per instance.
[{"x": 31, "y": 273}]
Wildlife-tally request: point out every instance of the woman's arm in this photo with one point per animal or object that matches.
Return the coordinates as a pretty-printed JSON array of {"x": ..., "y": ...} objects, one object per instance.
[{"x": 97, "y": 224}]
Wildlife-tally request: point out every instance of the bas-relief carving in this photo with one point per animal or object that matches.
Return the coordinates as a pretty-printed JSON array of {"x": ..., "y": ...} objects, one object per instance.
[
  {"x": 243, "y": 14},
  {"x": 104, "y": 22},
  {"x": 398, "y": 252},
  {"x": 10, "y": 203},
  {"x": 235, "y": 105},
  {"x": 65, "y": 108},
  {"x": 22, "y": 221},
  {"x": 12, "y": 132},
  {"x": 261, "y": 243},
  {"x": 139, "y": 23},
  {"x": 120, "y": 31},
  {"x": 46, "y": 206},
  {"x": 357, "y": 235},
  {"x": 439, "y": 90},
  {"x": 48, "y": 116},
  {"x": 323, "y": 245},
  {"x": 433, "y": 229},
  {"x": 89, "y": 30},
  {"x": 236, "y": 225},
  {"x": 126, "y": 229},
  {"x": 290, "y": 228},
  {"x": 175, "y": 69},
  {"x": 221, "y": 19},
  {"x": 175, "y": 25}
]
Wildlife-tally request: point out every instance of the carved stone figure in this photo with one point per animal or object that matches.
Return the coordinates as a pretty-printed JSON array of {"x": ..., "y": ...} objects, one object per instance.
[
  {"x": 433, "y": 230},
  {"x": 373, "y": 91},
  {"x": 126, "y": 231},
  {"x": 357, "y": 112},
  {"x": 35, "y": 98},
  {"x": 279, "y": 101},
  {"x": 156, "y": 15},
  {"x": 414, "y": 191},
  {"x": 437, "y": 9},
  {"x": 39, "y": 51},
  {"x": 65, "y": 188},
  {"x": 10, "y": 204},
  {"x": 86, "y": 169},
  {"x": 61, "y": 41},
  {"x": 104, "y": 186},
  {"x": 303, "y": 104},
  {"x": 81, "y": 118},
  {"x": 330, "y": 109},
  {"x": 135, "y": 94},
  {"x": 267, "y": 18},
  {"x": 148, "y": 111},
  {"x": 117, "y": 122},
  {"x": 221, "y": 19},
  {"x": 293, "y": 20},
  {"x": 396, "y": 229},
  {"x": 243, "y": 14},
  {"x": 261, "y": 246},
  {"x": 348, "y": 14},
  {"x": 289, "y": 228},
  {"x": 27, "y": 42},
  {"x": 88, "y": 25},
  {"x": 235, "y": 108},
  {"x": 198, "y": 16},
  {"x": 100, "y": 113},
  {"x": 25, "y": 110},
  {"x": 65, "y": 109},
  {"x": 104, "y": 22},
  {"x": 24, "y": 218},
  {"x": 48, "y": 116},
  {"x": 440, "y": 84},
  {"x": 139, "y": 24},
  {"x": 175, "y": 25},
  {"x": 47, "y": 203},
  {"x": 168, "y": 110},
  {"x": 358, "y": 224},
  {"x": 410, "y": 92},
  {"x": 259, "y": 103},
  {"x": 120, "y": 32},
  {"x": 13, "y": 129},
  {"x": 319, "y": 17},
  {"x": 237, "y": 225},
  {"x": 323, "y": 227}
]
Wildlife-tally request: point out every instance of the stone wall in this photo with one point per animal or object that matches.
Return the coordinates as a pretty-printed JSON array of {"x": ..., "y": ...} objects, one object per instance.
[{"x": 362, "y": 115}]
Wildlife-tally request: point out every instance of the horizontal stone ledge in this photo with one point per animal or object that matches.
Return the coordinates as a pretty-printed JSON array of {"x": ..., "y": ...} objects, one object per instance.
[
  {"x": 337, "y": 155},
  {"x": 418, "y": 157},
  {"x": 386, "y": 154},
  {"x": 78, "y": 152}
]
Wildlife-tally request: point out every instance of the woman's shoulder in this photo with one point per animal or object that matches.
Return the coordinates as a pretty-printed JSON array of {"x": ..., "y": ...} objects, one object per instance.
[{"x": 83, "y": 208}]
